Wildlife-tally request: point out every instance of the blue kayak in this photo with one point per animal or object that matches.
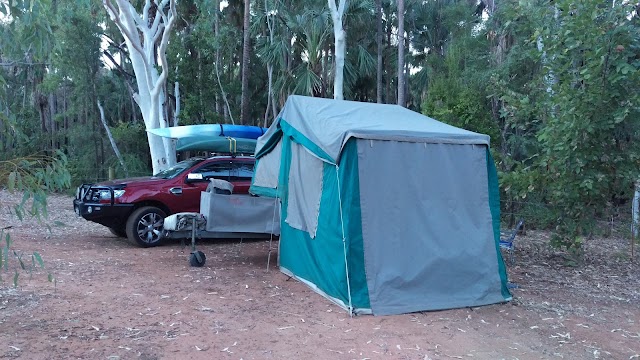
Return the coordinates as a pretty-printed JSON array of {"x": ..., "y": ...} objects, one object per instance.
[{"x": 210, "y": 130}]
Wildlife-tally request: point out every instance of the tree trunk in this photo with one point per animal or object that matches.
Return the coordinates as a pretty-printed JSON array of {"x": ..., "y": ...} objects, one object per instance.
[
  {"x": 635, "y": 211},
  {"x": 146, "y": 36},
  {"x": 114, "y": 146},
  {"x": 53, "y": 109},
  {"x": 401, "y": 90},
  {"x": 340, "y": 37},
  {"x": 65, "y": 117},
  {"x": 245, "y": 116},
  {"x": 176, "y": 94},
  {"x": 201, "y": 85},
  {"x": 379, "y": 45},
  {"x": 325, "y": 69},
  {"x": 389, "y": 31},
  {"x": 226, "y": 111},
  {"x": 271, "y": 106}
]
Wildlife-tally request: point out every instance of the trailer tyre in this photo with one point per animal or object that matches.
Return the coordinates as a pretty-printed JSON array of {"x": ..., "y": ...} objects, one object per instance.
[{"x": 197, "y": 259}]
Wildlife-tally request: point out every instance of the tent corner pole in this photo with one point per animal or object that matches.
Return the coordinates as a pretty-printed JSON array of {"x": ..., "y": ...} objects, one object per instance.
[{"x": 344, "y": 243}]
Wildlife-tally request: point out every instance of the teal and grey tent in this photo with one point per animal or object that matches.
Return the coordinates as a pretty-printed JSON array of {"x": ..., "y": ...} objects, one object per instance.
[{"x": 384, "y": 210}]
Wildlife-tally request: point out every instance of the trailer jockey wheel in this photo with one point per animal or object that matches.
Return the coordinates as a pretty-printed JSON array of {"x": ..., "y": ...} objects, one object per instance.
[{"x": 197, "y": 259}]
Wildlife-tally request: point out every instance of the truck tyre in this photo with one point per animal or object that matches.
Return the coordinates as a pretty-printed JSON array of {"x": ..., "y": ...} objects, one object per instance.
[{"x": 144, "y": 226}]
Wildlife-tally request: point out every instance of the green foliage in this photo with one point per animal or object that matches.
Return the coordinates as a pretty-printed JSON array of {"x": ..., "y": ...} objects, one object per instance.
[
  {"x": 589, "y": 141},
  {"x": 34, "y": 176},
  {"x": 131, "y": 140},
  {"x": 557, "y": 88},
  {"x": 555, "y": 85},
  {"x": 457, "y": 90},
  {"x": 8, "y": 253},
  {"x": 461, "y": 106}
]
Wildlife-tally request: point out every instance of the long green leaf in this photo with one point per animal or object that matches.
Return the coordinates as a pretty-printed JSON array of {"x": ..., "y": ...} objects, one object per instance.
[
  {"x": 19, "y": 257},
  {"x": 11, "y": 183},
  {"x": 15, "y": 279},
  {"x": 38, "y": 258},
  {"x": 18, "y": 211},
  {"x": 6, "y": 258}
]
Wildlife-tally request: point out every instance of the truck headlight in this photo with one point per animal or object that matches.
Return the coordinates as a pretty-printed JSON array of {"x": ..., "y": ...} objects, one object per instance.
[{"x": 106, "y": 194}]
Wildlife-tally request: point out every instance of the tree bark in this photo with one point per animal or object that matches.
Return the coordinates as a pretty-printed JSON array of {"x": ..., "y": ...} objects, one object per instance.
[
  {"x": 114, "y": 146},
  {"x": 176, "y": 94},
  {"x": 389, "y": 66},
  {"x": 340, "y": 37},
  {"x": 216, "y": 33},
  {"x": 401, "y": 90},
  {"x": 379, "y": 45},
  {"x": 146, "y": 36},
  {"x": 53, "y": 110},
  {"x": 246, "y": 46},
  {"x": 271, "y": 103}
]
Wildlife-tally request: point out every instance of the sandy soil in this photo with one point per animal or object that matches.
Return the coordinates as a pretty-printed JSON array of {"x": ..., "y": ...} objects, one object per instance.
[{"x": 112, "y": 300}]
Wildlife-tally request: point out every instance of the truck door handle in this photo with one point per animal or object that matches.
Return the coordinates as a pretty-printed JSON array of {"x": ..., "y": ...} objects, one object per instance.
[{"x": 176, "y": 191}]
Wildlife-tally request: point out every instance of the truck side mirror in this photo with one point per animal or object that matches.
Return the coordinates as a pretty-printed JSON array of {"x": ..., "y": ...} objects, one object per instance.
[{"x": 194, "y": 177}]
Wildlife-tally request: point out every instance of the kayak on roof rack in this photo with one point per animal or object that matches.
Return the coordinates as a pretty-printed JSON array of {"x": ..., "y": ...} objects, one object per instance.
[{"x": 221, "y": 138}]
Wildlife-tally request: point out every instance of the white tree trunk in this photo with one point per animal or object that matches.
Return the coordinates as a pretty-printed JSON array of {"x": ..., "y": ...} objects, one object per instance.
[
  {"x": 245, "y": 113},
  {"x": 401, "y": 78},
  {"x": 271, "y": 102},
  {"x": 176, "y": 94},
  {"x": 112, "y": 141},
  {"x": 269, "y": 95},
  {"x": 340, "y": 47},
  {"x": 216, "y": 31},
  {"x": 635, "y": 211},
  {"x": 146, "y": 36}
]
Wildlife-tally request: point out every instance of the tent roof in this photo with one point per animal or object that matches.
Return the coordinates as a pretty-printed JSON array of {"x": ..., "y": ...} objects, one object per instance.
[{"x": 329, "y": 123}]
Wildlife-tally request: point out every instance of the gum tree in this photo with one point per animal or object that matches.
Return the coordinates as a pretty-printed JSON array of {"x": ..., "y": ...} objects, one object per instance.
[{"x": 146, "y": 36}]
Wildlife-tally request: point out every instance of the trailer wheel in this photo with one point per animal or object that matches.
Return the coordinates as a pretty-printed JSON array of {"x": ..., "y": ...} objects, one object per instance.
[{"x": 197, "y": 259}]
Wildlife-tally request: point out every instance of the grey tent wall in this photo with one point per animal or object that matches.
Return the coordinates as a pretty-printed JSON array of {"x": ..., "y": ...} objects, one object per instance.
[{"x": 427, "y": 226}]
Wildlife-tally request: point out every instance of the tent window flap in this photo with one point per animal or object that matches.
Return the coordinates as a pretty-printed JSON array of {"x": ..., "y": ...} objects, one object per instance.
[{"x": 305, "y": 188}]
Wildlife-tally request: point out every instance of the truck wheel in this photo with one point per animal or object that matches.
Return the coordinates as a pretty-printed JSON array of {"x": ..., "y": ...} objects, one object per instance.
[
  {"x": 118, "y": 232},
  {"x": 144, "y": 226}
]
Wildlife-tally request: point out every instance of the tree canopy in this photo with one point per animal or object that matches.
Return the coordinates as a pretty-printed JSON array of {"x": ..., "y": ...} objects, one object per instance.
[{"x": 555, "y": 84}]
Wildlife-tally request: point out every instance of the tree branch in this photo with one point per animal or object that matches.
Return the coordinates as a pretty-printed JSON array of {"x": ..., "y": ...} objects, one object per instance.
[
  {"x": 156, "y": 20},
  {"x": 157, "y": 34},
  {"x": 113, "y": 14},
  {"x": 14, "y": 63},
  {"x": 111, "y": 140},
  {"x": 162, "y": 50},
  {"x": 118, "y": 66},
  {"x": 145, "y": 11}
]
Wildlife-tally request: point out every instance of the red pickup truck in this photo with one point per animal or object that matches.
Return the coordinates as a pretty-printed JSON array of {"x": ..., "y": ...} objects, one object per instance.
[{"x": 135, "y": 208}]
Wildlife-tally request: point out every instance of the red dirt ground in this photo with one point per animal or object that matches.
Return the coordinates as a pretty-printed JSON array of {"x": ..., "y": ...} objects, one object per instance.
[{"x": 112, "y": 300}]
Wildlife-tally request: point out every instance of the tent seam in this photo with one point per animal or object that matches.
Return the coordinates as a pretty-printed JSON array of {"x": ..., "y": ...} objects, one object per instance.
[{"x": 344, "y": 244}]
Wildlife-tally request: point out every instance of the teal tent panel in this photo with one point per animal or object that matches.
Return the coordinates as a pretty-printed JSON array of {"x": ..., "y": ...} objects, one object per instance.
[
  {"x": 350, "y": 195},
  {"x": 321, "y": 260},
  {"x": 494, "y": 203}
]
